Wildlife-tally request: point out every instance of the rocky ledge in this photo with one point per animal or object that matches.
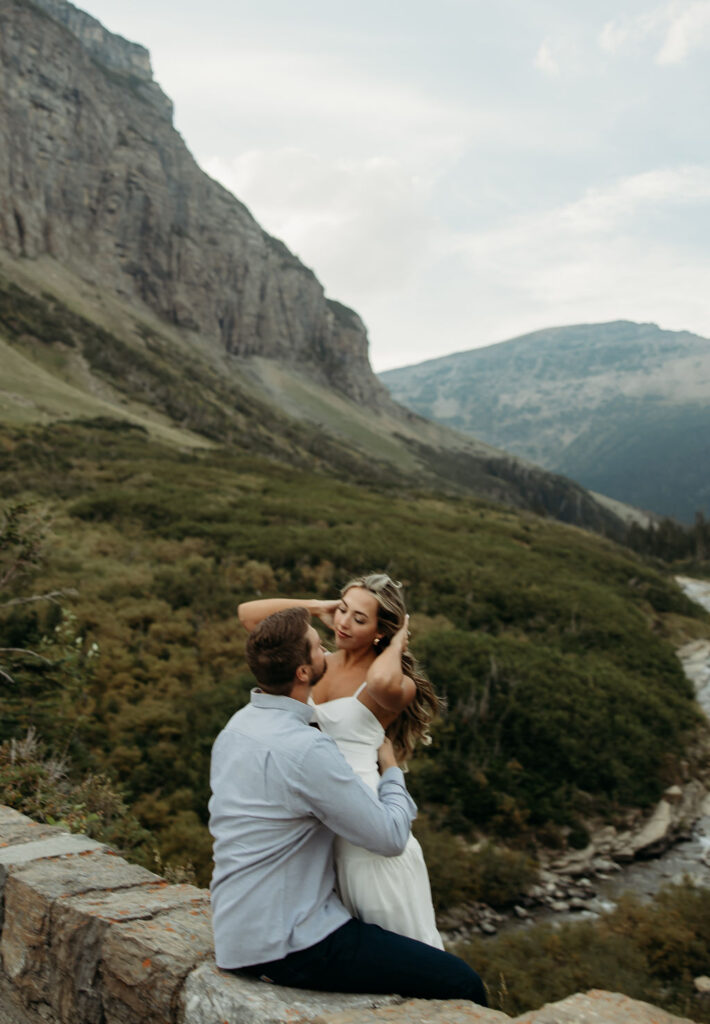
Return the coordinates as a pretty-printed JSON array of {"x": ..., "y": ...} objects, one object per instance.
[{"x": 88, "y": 938}]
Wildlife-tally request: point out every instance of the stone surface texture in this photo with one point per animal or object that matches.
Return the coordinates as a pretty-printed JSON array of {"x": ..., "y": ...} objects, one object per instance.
[
  {"x": 598, "y": 1007},
  {"x": 210, "y": 996},
  {"x": 93, "y": 173},
  {"x": 89, "y": 939},
  {"x": 419, "y": 1011}
]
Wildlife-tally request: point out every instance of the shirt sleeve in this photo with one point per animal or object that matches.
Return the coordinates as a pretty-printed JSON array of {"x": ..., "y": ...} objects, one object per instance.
[{"x": 347, "y": 806}]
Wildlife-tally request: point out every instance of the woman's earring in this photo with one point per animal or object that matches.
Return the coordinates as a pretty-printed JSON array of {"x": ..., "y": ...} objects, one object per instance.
[{"x": 376, "y": 642}]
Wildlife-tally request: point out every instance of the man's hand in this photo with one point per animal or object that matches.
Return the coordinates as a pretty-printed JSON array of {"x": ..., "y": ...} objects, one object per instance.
[{"x": 385, "y": 756}]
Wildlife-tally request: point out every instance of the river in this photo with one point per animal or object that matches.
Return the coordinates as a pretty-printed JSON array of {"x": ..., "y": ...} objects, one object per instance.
[
  {"x": 550, "y": 899},
  {"x": 691, "y": 857}
]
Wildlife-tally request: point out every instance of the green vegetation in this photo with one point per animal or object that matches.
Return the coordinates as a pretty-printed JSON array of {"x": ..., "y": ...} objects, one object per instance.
[
  {"x": 670, "y": 541},
  {"x": 61, "y": 363},
  {"x": 41, "y": 786},
  {"x": 533, "y": 630},
  {"x": 648, "y": 951},
  {"x": 460, "y": 873},
  {"x": 162, "y": 384}
]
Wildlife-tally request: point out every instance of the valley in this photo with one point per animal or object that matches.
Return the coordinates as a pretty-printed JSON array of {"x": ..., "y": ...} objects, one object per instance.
[
  {"x": 620, "y": 407},
  {"x": 187, "y": 421}
]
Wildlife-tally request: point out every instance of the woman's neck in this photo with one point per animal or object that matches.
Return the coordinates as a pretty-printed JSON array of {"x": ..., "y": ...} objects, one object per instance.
[{"x": 354, "y": 659}]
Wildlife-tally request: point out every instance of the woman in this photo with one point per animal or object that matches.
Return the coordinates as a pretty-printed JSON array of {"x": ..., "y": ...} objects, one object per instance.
[{"x": 372, "y": 687}]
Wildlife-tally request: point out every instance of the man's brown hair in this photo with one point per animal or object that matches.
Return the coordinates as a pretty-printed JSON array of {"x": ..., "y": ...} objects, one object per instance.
[{"x": 276, "y": 648}]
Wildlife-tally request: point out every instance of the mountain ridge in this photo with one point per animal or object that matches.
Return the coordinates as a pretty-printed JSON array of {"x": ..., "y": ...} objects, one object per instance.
[{"x": 603, "y": 403}]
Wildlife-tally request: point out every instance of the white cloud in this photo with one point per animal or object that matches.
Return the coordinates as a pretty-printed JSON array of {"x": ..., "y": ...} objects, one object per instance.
[
  {"x": 363, "y": 224},
  {"x": 675, "y": 30},
  {"x": 613, "y": 36},
  {"x": 689, "y": 29},
  {"x": 546, "y": 62},
  {"x": 589, "y": 260},
  {"x": 316, "y": 97},
  {"x": 628, "y": 33}
]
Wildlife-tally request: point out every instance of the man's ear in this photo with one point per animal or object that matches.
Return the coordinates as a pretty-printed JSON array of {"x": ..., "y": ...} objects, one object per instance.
[{"x": 303, "y": 674}]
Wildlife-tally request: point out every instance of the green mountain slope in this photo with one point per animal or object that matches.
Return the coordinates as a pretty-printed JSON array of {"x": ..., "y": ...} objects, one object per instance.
[
  {"x": 552, "y": 645},
  {"x": 623, "y": 408},
  {"x": 76, "y": 350}
]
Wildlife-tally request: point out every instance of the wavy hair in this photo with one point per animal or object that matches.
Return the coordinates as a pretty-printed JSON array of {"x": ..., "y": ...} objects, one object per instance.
[{"x": 412, "y": 724}]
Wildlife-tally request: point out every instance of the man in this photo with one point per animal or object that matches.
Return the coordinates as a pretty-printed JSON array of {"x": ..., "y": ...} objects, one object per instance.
[{"x": 281, "y": 790}]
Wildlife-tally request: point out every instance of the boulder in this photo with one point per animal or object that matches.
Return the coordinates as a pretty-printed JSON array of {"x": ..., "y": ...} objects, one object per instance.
[{"x": 599, "y": 1007}]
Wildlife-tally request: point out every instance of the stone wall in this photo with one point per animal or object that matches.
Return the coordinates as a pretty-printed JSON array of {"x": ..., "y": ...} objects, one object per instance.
[{"x": 87, "y": 938}]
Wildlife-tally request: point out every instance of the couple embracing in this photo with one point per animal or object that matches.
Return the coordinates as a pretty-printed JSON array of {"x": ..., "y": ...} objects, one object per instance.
[{"x": 292, "y": 805}]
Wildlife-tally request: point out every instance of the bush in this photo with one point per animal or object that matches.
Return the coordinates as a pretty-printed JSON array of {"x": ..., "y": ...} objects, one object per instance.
[
  {"x": 648, "y": 951},
  {"x": 40, "y": 786},
  {"x": 458, "y": 872}
]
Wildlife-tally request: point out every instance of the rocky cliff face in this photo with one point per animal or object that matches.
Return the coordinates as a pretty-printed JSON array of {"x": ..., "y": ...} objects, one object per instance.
[
  {"x": 93, "y": 173},
  {"x": 110, "y": 50}
]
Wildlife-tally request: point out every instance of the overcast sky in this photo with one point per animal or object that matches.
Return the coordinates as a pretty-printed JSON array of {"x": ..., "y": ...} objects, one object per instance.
[{"x": 463, "y": 171}]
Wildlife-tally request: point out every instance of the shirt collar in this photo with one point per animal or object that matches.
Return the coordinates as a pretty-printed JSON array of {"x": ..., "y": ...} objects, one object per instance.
[{"x": 276, "y": 702}]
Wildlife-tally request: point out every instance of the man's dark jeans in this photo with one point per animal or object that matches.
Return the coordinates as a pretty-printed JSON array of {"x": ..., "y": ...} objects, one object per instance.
[{"x": 360, "y": 957}]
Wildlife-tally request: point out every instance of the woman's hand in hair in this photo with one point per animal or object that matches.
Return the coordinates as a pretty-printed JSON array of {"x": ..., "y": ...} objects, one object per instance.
[
  {"x": 325, "y": 611},
  {"x": 400, "y": 639}
]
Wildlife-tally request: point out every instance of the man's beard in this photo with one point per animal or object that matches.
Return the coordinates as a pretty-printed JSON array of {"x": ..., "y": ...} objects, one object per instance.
[{"x": 316, "y": 676}]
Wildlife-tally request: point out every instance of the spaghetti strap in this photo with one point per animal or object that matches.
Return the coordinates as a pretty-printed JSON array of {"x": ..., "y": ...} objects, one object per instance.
[{"x": 360, "y": 689}]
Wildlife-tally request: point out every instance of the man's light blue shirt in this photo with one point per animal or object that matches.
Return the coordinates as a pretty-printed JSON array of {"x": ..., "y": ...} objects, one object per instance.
[{"x": 280, "y": 792}]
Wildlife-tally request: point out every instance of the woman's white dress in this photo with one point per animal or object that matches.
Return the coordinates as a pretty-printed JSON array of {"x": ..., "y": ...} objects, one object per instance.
[{"x": 393, "y": 892}]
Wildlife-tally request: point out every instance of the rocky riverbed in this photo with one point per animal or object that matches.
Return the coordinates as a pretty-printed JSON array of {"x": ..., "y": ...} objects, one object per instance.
[
  {"x": 642, "y": 856},
  {"x": 696, "y": 655}
]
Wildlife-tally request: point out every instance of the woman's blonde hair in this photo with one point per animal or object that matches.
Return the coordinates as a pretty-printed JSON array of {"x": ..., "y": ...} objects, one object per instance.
[{"x": 412, "y": 724}]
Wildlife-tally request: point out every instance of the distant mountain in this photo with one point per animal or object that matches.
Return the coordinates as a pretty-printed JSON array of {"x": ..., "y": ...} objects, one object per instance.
[
  {"x": 133, "y": 285},
  {"x": 623, "y": 408}
]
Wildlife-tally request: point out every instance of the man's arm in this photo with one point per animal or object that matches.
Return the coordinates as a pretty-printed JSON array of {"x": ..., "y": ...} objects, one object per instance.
[{"x": 347, "y": 806}]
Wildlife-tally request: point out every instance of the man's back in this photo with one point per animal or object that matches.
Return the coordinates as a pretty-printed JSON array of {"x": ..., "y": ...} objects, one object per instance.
[{"x": 280, "y": 791}]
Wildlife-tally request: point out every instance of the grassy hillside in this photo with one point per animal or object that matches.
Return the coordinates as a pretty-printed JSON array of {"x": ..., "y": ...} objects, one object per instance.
[
  {"x": 551, "y": 644},
  {"x": 73, "y": 351}
]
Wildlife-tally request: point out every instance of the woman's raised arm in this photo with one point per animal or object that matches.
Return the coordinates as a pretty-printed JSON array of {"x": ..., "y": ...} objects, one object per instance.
[
  {"x": 386, "y": 682},
  {"x": 251, "y": 613}
]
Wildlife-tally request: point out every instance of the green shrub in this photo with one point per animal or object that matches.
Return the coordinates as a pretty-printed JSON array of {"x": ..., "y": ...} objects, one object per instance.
[
  {"x": 458, "y": 872},
  {"x": 648, "y": 951},
  {"x": 40, "y": 786}
]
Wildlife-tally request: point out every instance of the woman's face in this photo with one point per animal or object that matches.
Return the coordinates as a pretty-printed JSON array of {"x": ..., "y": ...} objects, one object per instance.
[{"x": 355, "y": 619}]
